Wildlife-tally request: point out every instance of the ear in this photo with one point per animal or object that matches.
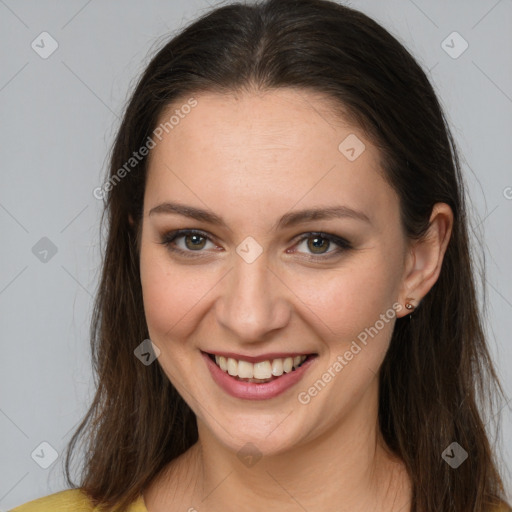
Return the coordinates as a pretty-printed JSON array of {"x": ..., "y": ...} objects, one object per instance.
[
  {"x": 130, "y": 219},
  {"x": 425, "y": 258}
]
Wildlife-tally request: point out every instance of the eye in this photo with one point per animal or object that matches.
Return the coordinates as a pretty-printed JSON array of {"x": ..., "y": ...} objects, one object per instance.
[
  {"x": 317, "y": 243},
  {"x": 194, "y": 241}
]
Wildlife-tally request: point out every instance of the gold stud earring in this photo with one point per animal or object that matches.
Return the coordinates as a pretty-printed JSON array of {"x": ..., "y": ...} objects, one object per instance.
[{"x": 408, "y": 304}]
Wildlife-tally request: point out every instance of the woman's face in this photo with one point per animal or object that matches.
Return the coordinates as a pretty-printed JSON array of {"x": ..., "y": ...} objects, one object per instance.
[{"x": 252, "y": 287}]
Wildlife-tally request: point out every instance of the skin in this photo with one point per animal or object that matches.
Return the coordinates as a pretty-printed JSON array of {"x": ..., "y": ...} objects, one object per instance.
[{"x": 250, "y": 159}]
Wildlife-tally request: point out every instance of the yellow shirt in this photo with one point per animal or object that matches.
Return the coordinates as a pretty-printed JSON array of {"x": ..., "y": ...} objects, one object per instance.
[
  {"x": 74, "y": 500},
  {"x": 70, "y": 500}
]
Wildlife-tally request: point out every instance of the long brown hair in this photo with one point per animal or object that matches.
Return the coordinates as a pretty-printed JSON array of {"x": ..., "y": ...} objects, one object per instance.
[{"x": 437, "y": 375}]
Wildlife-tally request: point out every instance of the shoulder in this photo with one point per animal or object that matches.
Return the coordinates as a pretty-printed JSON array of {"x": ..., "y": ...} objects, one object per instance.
[
  {"x": 70, "y": 500},
  {"x": 502, "y": 507},
  {"x": 63, "y": 501}
]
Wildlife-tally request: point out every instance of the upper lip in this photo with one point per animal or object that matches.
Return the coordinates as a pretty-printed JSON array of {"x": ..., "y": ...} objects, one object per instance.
[{"x": 261, "y": 357}]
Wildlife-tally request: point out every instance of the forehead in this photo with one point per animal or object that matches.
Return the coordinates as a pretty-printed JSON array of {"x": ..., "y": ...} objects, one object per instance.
[
  {"x": 274, "y": 120},
  {"x": 265, "y": 150}
]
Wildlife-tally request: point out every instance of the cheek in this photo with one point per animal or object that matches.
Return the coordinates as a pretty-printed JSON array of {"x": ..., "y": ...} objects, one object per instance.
[
  {"x": 168, "y": 294},
  {"x": 351, "y": 299},
  {"x": 352, "y": 309}
]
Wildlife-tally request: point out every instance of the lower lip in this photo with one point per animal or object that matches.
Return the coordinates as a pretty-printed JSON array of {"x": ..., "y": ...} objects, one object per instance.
[{"x": 253, "y": 390}]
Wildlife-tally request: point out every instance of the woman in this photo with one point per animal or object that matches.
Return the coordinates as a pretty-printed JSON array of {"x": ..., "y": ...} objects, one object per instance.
[{"x": 287, "y": 314}]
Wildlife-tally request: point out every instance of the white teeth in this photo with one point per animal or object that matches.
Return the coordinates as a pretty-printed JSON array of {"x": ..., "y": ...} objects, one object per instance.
[
  {"x": 232, "y": 367},
  {"x": 245, "y": 370},
  {"x": 277, "y": 367},
  {"x": 221, "y": 361},
  {"x": 261, "y": 370}
]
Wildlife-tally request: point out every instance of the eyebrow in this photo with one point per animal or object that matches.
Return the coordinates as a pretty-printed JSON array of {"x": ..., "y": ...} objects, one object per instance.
[{"x": 287, "y": 220}]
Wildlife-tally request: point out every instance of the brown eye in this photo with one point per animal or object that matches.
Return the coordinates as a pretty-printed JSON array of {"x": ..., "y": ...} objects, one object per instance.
[
  {"x": 317, "y": 244},
  {"x": 195, "y": 241}
]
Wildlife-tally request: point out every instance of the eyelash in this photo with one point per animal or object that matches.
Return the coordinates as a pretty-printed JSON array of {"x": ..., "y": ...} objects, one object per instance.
[{"x": 169, "y": 238}]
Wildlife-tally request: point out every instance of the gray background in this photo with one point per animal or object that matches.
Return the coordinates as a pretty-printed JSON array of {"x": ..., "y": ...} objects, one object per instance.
[{"x": 58, "y": 119}]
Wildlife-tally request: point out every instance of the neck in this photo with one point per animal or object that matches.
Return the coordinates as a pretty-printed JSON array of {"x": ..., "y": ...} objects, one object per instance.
[{"x": 346, "y": 468}]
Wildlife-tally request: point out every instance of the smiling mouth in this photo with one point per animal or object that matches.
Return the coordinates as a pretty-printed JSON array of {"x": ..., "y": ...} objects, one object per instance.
[{"x": 262, "y": 371}]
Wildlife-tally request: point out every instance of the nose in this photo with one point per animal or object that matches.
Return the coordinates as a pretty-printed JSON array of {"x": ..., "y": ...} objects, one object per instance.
[{"x": 253, "y": 301}]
